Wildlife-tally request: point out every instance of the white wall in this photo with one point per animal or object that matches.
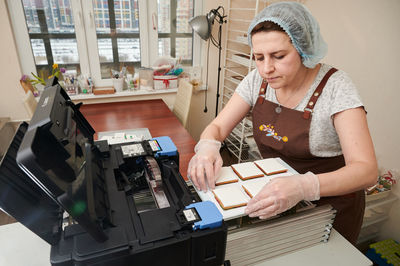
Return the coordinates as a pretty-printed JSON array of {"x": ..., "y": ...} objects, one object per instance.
[
  {"x": 11, "y": 92},
  {"x": 363, "y": 38},
  {"x": 198, "y": 119}
]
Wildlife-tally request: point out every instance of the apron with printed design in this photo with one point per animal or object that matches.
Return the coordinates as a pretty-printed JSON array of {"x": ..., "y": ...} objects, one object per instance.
[{"x": 286, "y": 135}]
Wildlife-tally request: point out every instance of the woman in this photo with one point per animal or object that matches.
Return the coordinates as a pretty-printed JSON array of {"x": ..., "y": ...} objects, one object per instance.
[{"x": 317, "y": 116}]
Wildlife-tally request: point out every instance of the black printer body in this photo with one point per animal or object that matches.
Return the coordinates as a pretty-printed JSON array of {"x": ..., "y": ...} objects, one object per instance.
[{"x": 100, "y": 204}]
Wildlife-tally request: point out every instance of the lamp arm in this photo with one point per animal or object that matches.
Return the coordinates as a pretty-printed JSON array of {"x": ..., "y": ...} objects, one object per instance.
[{"x": 215, "y": 13}]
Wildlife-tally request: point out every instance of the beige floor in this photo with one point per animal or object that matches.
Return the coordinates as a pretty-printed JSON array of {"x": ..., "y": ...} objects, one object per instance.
[{"x": 5, "y": 219}]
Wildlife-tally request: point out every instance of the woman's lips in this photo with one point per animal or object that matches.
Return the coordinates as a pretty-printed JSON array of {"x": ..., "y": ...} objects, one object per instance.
[{"x": 269, "y": 80}]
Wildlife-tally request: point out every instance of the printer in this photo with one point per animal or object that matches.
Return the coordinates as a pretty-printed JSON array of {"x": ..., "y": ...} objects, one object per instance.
[{"x": 101, "y": 204}]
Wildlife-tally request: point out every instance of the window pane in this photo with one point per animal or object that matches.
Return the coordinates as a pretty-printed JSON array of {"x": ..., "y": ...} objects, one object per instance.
[
  {"x": 31, "y": 16},
  {"x": 164, "y": 47},
  {"x": 124, "y": 12},
  {"x": 65, "y": 51},
  {"x": 105, "y": 50},
  {"x": 39, "y": 52},
  {"x": 100, "y": 10},
  {"x": 173, "y": 25},
  {"x": 117, "y": 29},
  {"x": 126, "y": 16},
  {"x": 184, "y": 12},
  {"x": 164, "y": 16},
  {"x": 52, "y": 34},
  {"x": 58, "y": 16},
  {"x": 128, "y": 50},
  {"x": 184, "y": 48}
]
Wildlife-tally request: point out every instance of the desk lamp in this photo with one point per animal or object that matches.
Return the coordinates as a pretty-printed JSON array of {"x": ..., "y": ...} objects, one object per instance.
[{"x": 202, "y": 25}]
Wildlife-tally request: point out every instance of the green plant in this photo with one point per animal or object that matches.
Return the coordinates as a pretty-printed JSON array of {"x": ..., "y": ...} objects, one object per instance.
[{"x": 55, "y": 72}]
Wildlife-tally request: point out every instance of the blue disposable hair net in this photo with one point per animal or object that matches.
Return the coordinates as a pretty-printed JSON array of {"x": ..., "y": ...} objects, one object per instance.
[{"x": 302, "y": 28}]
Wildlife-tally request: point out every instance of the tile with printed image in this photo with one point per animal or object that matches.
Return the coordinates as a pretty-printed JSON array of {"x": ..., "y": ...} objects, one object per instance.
[
  {"x": 271, "y": 166},
  {"x": 230, "y": 197},
  {"x": 226, "y": 175},
  {"x": 247, "y": 170},
  {"x": 252, "y": 187}
]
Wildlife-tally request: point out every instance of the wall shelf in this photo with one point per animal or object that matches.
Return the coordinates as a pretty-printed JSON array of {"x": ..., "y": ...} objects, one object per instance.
[
  {"x": 121, "y": 94},
  {"x": 167, "y": 95}
]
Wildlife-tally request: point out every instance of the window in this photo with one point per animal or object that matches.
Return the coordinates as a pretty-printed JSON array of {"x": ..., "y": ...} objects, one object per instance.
[
  {"x": 52, "y": 35},
  {"x": 94, "y": 36},
  {"x": 174, "y": 32}
]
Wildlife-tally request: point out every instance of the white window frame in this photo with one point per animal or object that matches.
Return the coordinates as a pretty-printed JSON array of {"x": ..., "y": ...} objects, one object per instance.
[{"x": 87, "y": 40}]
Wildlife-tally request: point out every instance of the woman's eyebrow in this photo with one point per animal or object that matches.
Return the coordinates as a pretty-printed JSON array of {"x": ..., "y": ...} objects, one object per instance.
[{"x": 273, "y": 53}]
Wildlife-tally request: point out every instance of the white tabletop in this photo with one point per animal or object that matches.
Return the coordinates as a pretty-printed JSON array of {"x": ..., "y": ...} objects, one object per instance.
[
  {"x": 337, "y": 251},
  {"x": 19, "y": 246}
]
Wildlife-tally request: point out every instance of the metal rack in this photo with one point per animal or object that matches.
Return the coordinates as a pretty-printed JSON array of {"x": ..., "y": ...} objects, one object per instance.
[{"x": 237, "y": 65}]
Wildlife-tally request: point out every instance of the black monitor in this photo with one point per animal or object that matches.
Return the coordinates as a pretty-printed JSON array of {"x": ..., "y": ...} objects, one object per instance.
[{"x": 58, "y": 154}]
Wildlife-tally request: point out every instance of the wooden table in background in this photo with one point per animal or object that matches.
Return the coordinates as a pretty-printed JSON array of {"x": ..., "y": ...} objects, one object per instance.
[{"x": 152, "y": 114}]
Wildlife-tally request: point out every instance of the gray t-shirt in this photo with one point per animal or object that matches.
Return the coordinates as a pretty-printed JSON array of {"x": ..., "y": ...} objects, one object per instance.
[{"x": 339, "y": 94}]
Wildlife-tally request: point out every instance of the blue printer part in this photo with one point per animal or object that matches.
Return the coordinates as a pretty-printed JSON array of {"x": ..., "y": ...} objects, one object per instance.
[
  {"x": 209, "y": 215},
  {"x": 167, "y": 147}
]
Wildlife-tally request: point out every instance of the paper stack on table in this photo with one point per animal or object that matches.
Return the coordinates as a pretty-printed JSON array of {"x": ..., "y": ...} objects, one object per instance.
[{"x": 258, "y": 242}]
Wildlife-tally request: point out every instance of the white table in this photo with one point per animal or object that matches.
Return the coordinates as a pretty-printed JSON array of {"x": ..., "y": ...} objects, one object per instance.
[
  {"x": 337, "y": 251},
  {"x": 19, "y": 246}
]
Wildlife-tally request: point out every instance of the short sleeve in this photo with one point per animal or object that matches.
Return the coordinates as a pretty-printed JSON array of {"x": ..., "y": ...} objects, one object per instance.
[
  {"x": 247, "y": 88},
  {"x": 344, "y": 94}
]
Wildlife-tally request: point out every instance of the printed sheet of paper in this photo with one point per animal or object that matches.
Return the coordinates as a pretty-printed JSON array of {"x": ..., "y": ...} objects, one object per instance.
[
  {"x": 252, "y": 187},
  {"x": 271, "y": 166},
  {"x": 230, "y": 197},
  {"x": 247, "y": 170},
  {"x": 226, "y": 175}
]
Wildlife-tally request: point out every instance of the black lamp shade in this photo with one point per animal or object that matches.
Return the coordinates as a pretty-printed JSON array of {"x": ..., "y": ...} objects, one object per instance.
[{"x": 202, "y": 26}]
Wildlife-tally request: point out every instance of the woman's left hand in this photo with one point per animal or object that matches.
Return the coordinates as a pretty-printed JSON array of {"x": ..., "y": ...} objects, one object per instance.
[{"x": 282, "y": 193}]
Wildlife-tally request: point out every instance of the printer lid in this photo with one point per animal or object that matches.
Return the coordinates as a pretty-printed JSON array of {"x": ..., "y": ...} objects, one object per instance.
[{"x": 57, "y": 154}]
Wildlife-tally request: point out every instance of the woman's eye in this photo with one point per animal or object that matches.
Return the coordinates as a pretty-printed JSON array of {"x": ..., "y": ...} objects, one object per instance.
[
  {"x": 279, "y": 57},
  {"x": 259, "y": 58}
]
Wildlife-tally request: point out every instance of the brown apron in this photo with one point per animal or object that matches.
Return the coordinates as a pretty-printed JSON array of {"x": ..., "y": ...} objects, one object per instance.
[{"x": 286, "y": 135}]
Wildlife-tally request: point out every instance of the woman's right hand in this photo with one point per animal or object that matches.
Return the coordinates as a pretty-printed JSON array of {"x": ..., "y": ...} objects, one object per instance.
[{"x": 205, "y": 164}]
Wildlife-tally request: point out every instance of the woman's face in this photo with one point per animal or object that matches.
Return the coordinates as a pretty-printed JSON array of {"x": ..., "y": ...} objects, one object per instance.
[{"x": 277, "y": 61}]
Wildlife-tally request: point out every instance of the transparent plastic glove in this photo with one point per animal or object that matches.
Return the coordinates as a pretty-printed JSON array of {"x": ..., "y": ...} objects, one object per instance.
[
  {"x": 205, "y": 164},
  {"x": 282, "y": 193}
]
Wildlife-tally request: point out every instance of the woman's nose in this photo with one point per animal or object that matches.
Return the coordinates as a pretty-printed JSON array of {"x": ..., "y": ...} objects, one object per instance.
[{"x": 268, "y": 66}]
